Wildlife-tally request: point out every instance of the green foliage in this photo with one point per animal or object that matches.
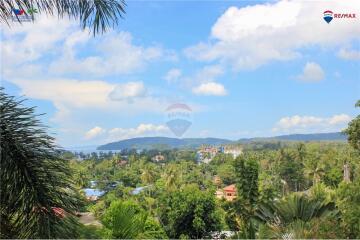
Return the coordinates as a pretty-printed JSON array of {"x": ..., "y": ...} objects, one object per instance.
[
  {"x": 189, "y": 212},
  {"x": 226, "y": 173},
  {"x": 291, "y": 170},
  {"x": 291, "y": 216},
  {"x": 247, "y": 173},
  {"x": 348, "y": 201},
  {"x": 126, "y": 220},
  {"x": 34, "y": 179},
  {"x": 353, "y": 131},
  {"x": 333, "y": 177},
  {"x": 89, "y": 232}
]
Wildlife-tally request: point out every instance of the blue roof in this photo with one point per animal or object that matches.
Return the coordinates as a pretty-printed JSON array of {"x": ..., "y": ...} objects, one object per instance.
[
  {"x": 93, "y": 192},
  {"x": 138, "y": 190}
]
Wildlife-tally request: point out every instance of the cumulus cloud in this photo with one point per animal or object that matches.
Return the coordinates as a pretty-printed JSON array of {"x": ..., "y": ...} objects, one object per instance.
[
  {"x": 349, "y": 54},
  {"x": 205, "y": 75},
  {"x": 251, "y": 36},
  {"x": 128, "y": 91},
  {"x": 141, "y": 130},
  {"x": 56, "y": 45},
  {"x": 116, "y": 134},
  {"x": 312, "y": 72},
  {"x": 70, "y": 92},
  {"x": 115, "y": 54},
  {"x": 304, "y": 124},
  {"x": 94, "y": 132},
  {"x": 173, "y": 75},
  {"x": 70, "y": 96},
  {"x": 210, "y": 88},
  {"x": 27, "y": 42}
]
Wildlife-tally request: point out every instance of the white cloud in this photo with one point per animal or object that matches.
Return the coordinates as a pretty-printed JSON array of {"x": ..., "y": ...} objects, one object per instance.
[
  {"x": 116, "y": 134},
  {"x": 70, "y": 92},
  {"x": 115, "y": 54},
  {"x": 339, "y": 119},
  {"x": 128, "y": 91},
  {"x": 94, "y": 132},
  {"x": 56, "y": 46},
  {"x": 312, "y": 72},
  {"x": 204, "y": 75},
  {"x": 349, "y": 54},
  {"x": 141, "y": 130},
  {"x": 210, "y": 88},
  {"x": 27, "y": 42},
  {"x": 173, "y": 75},
  {"x": 303, "y": 124},
  {"x": 71, "y": 96},
  {"x": 251, "y": 36}
]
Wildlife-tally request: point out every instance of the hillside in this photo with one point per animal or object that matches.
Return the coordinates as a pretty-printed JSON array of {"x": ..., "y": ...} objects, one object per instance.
[
  {"x": 162, "y": 143},
  {"x": 336, "y": 136},
  {"x": 167, "y": 143}
]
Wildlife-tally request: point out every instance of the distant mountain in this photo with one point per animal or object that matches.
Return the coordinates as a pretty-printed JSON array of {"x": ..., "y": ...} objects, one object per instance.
[
  {"x": 81, "y": 148},
  {"x": 336, "y": 136},
  {"x": 162, "y": 143},
  {"x": 168, "y": 143}
]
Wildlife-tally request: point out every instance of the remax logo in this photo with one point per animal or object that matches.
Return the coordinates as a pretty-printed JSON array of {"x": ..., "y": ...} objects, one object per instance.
[
  {"x": 328, "y": 16},
  {"x": 18, "y": 12},
  {"x": 21, "y": 15}
]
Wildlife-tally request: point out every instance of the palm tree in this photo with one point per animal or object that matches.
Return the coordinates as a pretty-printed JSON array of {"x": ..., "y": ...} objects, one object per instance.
[
  {"x": 170, "y": 177},
  {"x": 148, "y": 176},
  {"x": 96, "y": 14},
  {"x": 291, "y": 215},
  {"x": 34, "y": 180},
  {"x": 316, "y": 174},
  {"x": 301, "y": 152},
  {"x": 124, "y": 220}
]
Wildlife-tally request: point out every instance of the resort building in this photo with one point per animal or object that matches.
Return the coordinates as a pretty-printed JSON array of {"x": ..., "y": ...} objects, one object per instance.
[
  {"x": 158, "y": 158},
  {"x": 234, "y": 151},
  {"x": 206, "y": 153},
  {"x": 229, "y": 193}
]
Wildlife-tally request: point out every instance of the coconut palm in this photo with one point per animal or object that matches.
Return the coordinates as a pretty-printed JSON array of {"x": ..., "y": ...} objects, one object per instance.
[
  {"x": 124, "y": 220},
  {"x": 291, "y": 215},
  {"x": 34, "y": 180},
  {"x": 316, "y": 174},
  {"x": 171, "y": 177},
  {"x": 98, "y": 15},
  {"x": 148, "y": 176}
]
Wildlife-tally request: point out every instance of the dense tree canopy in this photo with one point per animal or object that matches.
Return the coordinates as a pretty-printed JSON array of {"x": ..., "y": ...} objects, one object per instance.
[{"x": 353, "y": 131}]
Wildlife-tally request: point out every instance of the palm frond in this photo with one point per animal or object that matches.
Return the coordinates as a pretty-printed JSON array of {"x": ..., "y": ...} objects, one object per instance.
[
  {"x": 98, "y": 15},
  {"x": 34, "y": 179}
]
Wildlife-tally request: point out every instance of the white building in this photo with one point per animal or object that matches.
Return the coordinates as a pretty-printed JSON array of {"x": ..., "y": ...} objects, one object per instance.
[{"x": 234, "y": 151}]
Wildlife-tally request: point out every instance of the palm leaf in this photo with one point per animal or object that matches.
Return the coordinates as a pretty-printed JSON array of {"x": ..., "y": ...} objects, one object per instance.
[
  {"x": 98, "y": 15},
  {"x": 34, "y": 179}
]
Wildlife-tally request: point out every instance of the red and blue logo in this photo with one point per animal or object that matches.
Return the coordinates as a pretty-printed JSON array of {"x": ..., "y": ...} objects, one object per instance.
[
  {"x": 19, "y": 12},
  {"x": 328, "y": 16}
]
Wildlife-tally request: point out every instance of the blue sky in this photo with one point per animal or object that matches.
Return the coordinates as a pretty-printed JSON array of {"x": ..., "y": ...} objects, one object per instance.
[{"x": 245, "y": 68}]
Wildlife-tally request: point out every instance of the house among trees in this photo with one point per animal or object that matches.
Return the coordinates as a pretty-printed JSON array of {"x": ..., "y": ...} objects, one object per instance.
[
  {"x": 158, "y": 158},
  {"x": 206, "y": 153},
  {"x": 233, "y": 150},
  {"x": 229, "y": 193}
]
